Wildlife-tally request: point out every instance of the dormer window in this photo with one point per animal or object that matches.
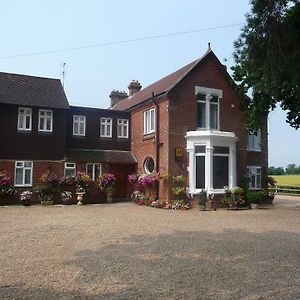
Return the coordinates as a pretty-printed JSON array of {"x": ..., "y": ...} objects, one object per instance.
[
  {"x": 24, "y": 118},
  {"x": 208, "y": 108},
  {"x": 45, "y": 120},
  {"x": 79, "y": 125}
]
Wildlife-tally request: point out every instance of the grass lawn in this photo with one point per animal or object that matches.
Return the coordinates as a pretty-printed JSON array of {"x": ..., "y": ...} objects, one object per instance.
[{"x": 288, "y": 180}]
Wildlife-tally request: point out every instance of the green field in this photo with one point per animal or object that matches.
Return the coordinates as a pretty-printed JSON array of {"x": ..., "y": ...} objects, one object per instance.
[{"x": 287, "y": 180}]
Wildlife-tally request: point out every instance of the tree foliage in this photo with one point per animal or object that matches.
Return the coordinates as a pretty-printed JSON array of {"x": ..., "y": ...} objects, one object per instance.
[{"x": 267, "y": 57}]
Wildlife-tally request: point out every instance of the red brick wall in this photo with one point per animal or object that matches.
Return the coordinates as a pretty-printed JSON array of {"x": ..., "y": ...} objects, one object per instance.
[
  {"x": 178, "y": 114},
  {"x": 145, "y": 146}
]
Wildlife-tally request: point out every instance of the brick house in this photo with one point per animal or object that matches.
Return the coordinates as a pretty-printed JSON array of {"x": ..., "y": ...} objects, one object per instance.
[
  {"x": 191, "y": 122},
  {"x": 40, "y": 132}
]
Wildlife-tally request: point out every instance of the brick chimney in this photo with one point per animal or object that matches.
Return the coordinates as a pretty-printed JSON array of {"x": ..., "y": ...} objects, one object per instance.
[
  {"x": 134, "y": 86},
  {"x": 116, "y": 96}
]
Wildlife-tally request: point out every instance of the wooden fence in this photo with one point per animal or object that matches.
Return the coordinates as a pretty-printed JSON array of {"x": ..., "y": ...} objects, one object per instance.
[{"x": 286, "y": 190}]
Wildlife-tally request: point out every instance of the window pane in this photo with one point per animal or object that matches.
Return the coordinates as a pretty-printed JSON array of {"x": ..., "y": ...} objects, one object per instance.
[
  {"x": 81, "y": 130},
  {"x": 27, "y": 176},
  {"x": 19, "y": 176},
  {"x": 214, "y": 99},
  {"x": 221, "y": 150},
  {"x": 200, "y": 149},
  {"x": 152, "y": 120},
  {"x": 213, "y": 116},
  {"x": 220, "y": 172},
  {"x": 27, "y": 164},
  {"x": 69, "y": 172},
  {"x": 201, "y": 97},
  {"x": 28, "y": 121},
  {"x": 97, "y": 170},
  {"x": 21, "y": 121},
  {"x": 89, "y": 170},
  {"x": 201, "y": 115},
  {"x": 200, "y": 172}
]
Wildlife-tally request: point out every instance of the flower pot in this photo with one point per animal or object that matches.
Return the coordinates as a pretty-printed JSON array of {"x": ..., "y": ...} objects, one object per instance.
[
  {"x": 79, "y": 198},
  {"x": 109, "y": 194},
  {"x": 202, "y": 207}
]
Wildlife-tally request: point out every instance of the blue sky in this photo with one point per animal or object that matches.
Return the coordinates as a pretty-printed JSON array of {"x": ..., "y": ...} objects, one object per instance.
[{"x": 91, "y": 74}]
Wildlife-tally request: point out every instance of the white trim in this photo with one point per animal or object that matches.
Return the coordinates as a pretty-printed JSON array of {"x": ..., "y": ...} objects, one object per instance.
[
  {"x": 45, "y": 117},
  {"x": 256, "y": 139},
  {"x": 255, "y": 174},
  {"x": 23, "y": 173},
  {"x": 70, "y": 168},
  {"x": 81, "y": 120},
  {"x": 27, "y": 113},
  {"x": 124, "y": 128},
  {"x": 209, "y": 139},
  {"x": 107, "y": 123},
  {"x": 149, "y": 126},
  {"x": 93, "y": 177},
  {"x": 209, "y": 93},
  {"x": 146, "y": 167}
]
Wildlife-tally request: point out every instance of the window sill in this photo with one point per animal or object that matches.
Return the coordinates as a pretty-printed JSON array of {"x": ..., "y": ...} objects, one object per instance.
[
  {"x": 148, "y": 136},
  {"x": 22, "y": 185},
  {"x": 77, "y": 136},
  {"x": 106, "y": 137},
  {"x": 24, "y": 131},
  {"x": 253, "y": 150},
  {"x": 45, "y": 132}
]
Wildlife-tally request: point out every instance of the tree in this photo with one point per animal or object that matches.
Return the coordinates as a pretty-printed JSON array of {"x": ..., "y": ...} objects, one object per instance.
[
  {"x": 267, "y": 57},
  {"x": 275, "y": 171},
  {"x": 292, "y": 169}
]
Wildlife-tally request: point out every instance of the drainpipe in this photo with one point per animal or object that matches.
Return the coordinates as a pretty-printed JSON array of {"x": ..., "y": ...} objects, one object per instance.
[{"x": 157, "y": 143}]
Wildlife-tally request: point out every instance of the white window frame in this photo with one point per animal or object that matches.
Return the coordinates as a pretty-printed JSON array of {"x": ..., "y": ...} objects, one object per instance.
[
  {"x": 149, "y": 121},
  {"x": 43, "y": 120},
  {"x": 209, "y": 93},
  {"x": 146, "y": 165},
  {"x": 22, "y": 166},
  {"x": 253, "y": 171},
  {"x": 254, "y": 141},
  {"x": 27, "y": 113},
  {"x": 80, "y": 120},
  {"x": 123, "y": 128},
  {"x": 94, "y": 170},
  {"x": 67, "y": 167},
  {"x": 107, "y": 124}
]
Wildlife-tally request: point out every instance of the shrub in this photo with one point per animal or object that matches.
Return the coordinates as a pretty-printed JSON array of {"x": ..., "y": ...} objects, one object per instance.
[{"x": 6, "y": 185}]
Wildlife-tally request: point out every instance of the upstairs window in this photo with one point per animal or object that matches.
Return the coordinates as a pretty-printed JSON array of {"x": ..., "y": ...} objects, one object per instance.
[
  {"x": 149, "y": 121},
  {"x": 23, "y": 173},
  {"x": 93, "y": 170},
  {"x": 106, "y": 127},
  {"x": 123, "y": 128},
  {"x": 24, "y": 118},
  {"x": 208, "y": 108},
  {"x": 254, "y": 140},
  {"x": 79, "y": 125},
  {"x": 254, "y": 178},
  {"x": 45, "y": 120}
]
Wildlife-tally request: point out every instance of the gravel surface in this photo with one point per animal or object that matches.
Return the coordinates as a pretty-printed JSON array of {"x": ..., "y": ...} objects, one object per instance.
[{"x": 122, "y": 251}]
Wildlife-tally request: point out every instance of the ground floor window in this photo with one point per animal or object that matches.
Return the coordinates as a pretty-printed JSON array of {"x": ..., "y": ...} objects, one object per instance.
[
  {"x": 93, "y": 170},
  {"x": 23, "y": 173},
  {"x": 254, "y": 177},
  {"x": 149, "y": 165},
  {"x": 70, "y": 169},
  {"x": 212, "y": 161}
]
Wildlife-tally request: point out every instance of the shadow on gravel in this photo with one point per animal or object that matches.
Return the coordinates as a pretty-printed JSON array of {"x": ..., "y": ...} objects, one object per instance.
[{"x": 231, "y": 264}]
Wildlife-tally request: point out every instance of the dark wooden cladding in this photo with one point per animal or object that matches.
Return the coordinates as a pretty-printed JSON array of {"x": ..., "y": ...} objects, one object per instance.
[
  {"x": 31, "y": 145},
  {"x": 92, "y": 139}
]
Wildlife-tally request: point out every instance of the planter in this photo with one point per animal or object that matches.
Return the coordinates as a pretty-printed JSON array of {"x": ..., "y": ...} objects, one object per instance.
[
  {"x": 79, "y": 198},
  {"x": 109, "y": 194},
  {"x": 46, "y": 202},
  {"x": 202, "y": 207}
]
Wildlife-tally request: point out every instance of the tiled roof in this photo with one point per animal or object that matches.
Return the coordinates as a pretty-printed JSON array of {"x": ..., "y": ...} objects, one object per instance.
[
  {"x": 32, "y": 91},
  {"x": 110, "y": 156},
  {"x": 159, "y": 87}
]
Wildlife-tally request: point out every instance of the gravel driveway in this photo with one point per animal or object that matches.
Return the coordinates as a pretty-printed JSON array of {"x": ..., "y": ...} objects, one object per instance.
[{"x": 122, "y": 251}]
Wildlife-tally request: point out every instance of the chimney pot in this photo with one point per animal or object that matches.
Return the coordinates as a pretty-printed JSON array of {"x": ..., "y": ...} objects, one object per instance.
[{"x": 133, "y": 87}]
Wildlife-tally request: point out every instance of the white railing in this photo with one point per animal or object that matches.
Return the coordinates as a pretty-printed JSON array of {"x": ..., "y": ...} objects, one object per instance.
[{"x": 285, "y": 191}]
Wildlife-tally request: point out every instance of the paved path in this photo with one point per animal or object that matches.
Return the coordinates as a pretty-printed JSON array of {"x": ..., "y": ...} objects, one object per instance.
[{"x": 287, "y": 200}]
